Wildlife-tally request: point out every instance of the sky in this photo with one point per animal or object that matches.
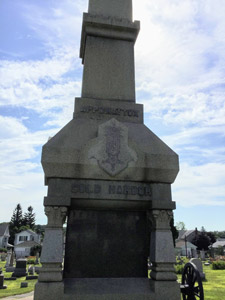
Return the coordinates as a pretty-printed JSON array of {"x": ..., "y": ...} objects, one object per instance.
[{"x": 180, "y": 79}]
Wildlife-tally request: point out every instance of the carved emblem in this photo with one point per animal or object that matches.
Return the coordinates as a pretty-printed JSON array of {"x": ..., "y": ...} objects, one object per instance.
[{"x": 112, "y": 151}]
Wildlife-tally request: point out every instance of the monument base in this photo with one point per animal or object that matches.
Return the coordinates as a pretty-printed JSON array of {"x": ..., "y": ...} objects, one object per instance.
[
  {"x": 108, "y": 289},
  {"x": 49, "y": 291}
]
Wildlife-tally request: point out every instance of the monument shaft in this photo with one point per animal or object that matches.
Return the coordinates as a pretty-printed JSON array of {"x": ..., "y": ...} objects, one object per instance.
[{"x": 110, "y": 177}]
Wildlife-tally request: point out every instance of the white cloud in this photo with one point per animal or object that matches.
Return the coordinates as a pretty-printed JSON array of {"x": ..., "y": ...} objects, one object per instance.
[
  {"x": 180, "y": 60},
  {"x": 200, "y": 185}
]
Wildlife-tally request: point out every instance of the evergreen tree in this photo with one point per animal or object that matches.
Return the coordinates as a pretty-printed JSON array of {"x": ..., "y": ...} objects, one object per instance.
[
  {"x": 29, "y": 218},
  {"x": 15, "y": 223},
  {"x": 17, "y": 217}
]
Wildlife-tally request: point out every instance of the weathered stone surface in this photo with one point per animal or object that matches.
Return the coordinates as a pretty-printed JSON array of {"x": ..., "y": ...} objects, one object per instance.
[
  {"x": 20, "y": 270},
  {"x": 100, "y": 110},
  {"x": 106, "y": 244},
  {"x": 197, "y": 262},
  {"x": 49, "y": 291},
  {"x": 112, "y": 8},
  {"x": 156, "y": 162},
  {"x": 112, "y": 175},
  {"x": 24, "y": 284}
]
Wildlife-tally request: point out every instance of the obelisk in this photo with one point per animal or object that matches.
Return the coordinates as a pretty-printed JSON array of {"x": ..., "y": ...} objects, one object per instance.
[{"x": 110, "y": 177}]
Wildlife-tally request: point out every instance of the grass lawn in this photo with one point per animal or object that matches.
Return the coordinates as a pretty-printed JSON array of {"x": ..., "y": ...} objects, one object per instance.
[
  {"x": 214, "y": 285},
  {"x": 13, "y": 287}
]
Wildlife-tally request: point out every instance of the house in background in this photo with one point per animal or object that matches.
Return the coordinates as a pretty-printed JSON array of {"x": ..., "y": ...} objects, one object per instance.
[
  {"x": 220, "y": 243},
  {"x": 188, "y": 234},
  {"x": 24, "y": 241},
  {"x": 185, "y": 249},
  {"x": 4, "y": 235}
]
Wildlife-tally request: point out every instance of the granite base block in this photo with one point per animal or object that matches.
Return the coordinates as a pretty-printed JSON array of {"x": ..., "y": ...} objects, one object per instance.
[
  {"x": 49, "y": 291},
  {"x": 119, "y": 289}
]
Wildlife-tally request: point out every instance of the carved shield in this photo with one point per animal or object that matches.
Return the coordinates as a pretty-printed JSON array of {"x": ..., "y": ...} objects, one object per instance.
[{"x": 112, "y": 151}]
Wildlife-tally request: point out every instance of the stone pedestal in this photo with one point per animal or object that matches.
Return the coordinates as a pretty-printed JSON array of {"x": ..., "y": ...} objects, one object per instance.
[{"x": 52, "y": 251}]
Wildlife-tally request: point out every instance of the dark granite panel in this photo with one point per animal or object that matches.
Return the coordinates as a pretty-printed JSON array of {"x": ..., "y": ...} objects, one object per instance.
[{"x": 106, "y": 244}]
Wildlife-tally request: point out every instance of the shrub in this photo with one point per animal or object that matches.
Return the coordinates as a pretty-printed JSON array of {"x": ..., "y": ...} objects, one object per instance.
[
  {"x": 31, "y": 261},
  {"x": 179, "y": 269},
  {"x": 3, "y": 250},
  {"x": 218, "y": 265}
]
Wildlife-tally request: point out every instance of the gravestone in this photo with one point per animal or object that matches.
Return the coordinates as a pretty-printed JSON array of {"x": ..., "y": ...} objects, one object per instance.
[
  {"x": 3, "y": 257},
  {"x": 24, "y": 284},
  {"x": 194, "y": 253},
  {"x": 202, "y": 255},
  {"x": 8, "y": 259},
  {"x": 21, "y": 268},
  {"x": 37, "y": 258},
  {"x": 197, "y": 262},
  {"x": 111, "y": 177},
  {"x": 12, "y": 259},
  {"x": 2, "y": 286},
  {"x": 31, "y": 270}
]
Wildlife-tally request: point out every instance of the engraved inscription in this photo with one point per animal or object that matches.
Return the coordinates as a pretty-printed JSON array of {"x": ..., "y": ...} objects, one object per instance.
[
  {"x": 111, "y": 189},
  {"x": 86, "y": 188},
  {"x": 129, "y": 190},
  {"x": 109, "y": 111}
]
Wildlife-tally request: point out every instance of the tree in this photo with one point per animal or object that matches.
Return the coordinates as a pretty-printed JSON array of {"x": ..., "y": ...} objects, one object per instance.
[
  {"x": 212, "y": 237},
  {"x": 35, "y": 249},
  {"x": 202, "y": 241},
  {"x": 15, "y": 223},
  {"x": 180, "y": 225},
  {"x": 17, "y": 217},
  {"x": 29, "y": 218},
  {"x": 174, "y": 231}
]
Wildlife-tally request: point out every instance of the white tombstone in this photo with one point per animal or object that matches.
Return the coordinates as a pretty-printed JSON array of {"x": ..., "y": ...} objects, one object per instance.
[{"x": 197, "y": 262}]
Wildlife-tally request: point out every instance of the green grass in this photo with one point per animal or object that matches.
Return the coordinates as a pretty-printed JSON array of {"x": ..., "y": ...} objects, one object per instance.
[
  {"x": 13, "y": 287},
  {"x": 214, "y": 285}
]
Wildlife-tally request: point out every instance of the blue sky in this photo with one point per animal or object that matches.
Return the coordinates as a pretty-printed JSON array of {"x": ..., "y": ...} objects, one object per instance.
[{"x": 180, "y": 79}]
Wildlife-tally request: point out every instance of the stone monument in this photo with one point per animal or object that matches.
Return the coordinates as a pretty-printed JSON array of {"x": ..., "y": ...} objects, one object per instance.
[
  {"x": 111, "y": 177},
  {"x": 21, "y": 268}
]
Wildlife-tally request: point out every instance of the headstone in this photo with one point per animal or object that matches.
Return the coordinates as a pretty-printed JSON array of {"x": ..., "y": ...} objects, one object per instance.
[
  {"x": 31, "y": 270},
  {"x": 21, "y": 268},
  {"x": 202, "y": 255},
  {"x": 197, "y": 262},
  {"x": 2, "y": 286},
  {"x": 3, "y": 257},
  {"x": 31, "y": 277},
  {"x": 212, "y": 252},
  {"x": 194, "y": 253},
  {"x": 111, "y": 177},
  {"x": 10, "y": 278},
  {"x": 24, "y": 284},
  {"x": 8, "y": 259},
  {"x": 10, "y": 269},
  {"x": 12, "y": 259},
  {"x": 37, "y": 258}
]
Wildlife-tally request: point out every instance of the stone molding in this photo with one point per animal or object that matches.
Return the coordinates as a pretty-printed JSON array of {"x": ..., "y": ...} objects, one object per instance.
[
  {"x": 107, "y": 27},
  {"x": 56, "y": 216},
  {"x": 160, "y": 219}
]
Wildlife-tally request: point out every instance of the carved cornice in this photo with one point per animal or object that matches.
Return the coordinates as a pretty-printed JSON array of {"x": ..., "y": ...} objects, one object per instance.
[
  {"x": 56, "y": 215},
  {"x": 160, "y": 219}
]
